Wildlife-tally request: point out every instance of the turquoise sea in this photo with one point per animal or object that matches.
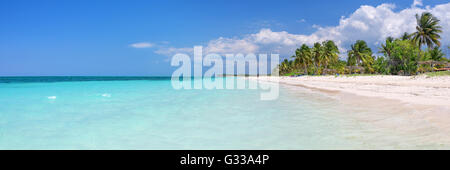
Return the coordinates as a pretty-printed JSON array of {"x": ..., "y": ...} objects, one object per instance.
[{"x": 147, "y": 113}]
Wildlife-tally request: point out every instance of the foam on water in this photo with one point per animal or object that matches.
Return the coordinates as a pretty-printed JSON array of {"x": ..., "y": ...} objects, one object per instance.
[{"x": 106, "y": 95}]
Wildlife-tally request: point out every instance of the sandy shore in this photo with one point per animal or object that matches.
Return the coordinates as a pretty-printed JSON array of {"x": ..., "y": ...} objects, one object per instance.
[
  {"x": 415, "y": 89},
  {"x": 417, "y": 107}
]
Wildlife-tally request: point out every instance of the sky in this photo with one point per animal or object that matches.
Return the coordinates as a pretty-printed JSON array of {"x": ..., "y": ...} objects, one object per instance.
[{"x": 138, "y": 38}]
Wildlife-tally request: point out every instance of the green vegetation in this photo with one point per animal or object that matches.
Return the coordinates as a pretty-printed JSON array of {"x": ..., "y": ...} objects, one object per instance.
[
  {"x": 400, "y": 56},
  {"x": 360, "y": 55},
  {"x": 441, "y": 73},
  {"x": 403, "y": 59}
]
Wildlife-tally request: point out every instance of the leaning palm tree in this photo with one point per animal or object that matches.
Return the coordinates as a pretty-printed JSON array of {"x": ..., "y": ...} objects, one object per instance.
[
  {"x": 427, "y": 30},
  {"x": 317, "y": 52}
]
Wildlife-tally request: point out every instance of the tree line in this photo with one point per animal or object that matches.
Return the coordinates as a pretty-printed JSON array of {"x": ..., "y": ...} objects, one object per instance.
[{"x": 403, "y": 55}]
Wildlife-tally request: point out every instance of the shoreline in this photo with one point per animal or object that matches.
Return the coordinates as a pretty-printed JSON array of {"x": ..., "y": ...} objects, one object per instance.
[
  {"x": 422, "y": 90},
  {"x": 402, "y": 105}
]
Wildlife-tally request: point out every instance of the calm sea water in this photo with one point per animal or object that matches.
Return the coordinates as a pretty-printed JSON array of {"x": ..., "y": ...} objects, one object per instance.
[{"x": 147, "y": 113}]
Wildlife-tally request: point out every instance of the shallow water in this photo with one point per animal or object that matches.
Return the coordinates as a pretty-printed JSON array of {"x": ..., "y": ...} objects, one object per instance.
[{"x": 147, "y": 113}]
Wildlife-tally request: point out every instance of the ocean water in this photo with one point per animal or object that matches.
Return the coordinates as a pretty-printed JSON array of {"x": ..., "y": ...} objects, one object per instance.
[{"x": 147, "y": 113}]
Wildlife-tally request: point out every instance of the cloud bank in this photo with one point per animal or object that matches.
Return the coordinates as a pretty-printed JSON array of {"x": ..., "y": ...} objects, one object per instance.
[{"x": 370, "y": 23}]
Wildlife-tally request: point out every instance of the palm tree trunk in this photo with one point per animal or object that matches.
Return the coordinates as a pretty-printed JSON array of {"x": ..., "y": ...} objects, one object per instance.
[
  {"x": 304, "y": 68},
  {"x": 420, "y": 50},
  {"x": 317, "y": 69}
]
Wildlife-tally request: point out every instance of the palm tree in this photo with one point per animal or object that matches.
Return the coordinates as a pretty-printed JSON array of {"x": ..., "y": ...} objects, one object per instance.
[
  {"x": 317, "y": 52},
  {"x": 303, "y": 54},
  {"x": 291, "y": 65},
  {"x": 351, "y": 61},
  {"x": 284, "y": 66},
  {"x": 330, "y": 52},
  {"x": 427, "y": 30},
  {"x": 405, "y": 36},
  {"x": 436, "y": 54},
  {"x": 386, "y": 48},
  {"x": 359, "y": 52},
  {"x": 295, "y": 62}
]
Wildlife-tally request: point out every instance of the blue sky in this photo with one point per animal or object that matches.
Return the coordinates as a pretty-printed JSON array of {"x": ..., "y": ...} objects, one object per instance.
[{"x": 95, "y": 37}]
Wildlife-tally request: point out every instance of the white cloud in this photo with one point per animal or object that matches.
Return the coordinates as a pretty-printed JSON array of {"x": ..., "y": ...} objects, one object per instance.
[
  {"x": 301, "y": 20},
  {"x": 416, "y": 3},
  {"x": 170, "y": 51},
  {"x": 370, "y": 23},
  {"x": 142, "y": 45},
  {"x": 227, "y": 45}
]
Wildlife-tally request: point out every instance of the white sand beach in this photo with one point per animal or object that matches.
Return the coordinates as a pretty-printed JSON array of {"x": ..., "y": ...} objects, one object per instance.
[
  {"x": 421, "y": 90},
  {"x": 406, "y": 105}
]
